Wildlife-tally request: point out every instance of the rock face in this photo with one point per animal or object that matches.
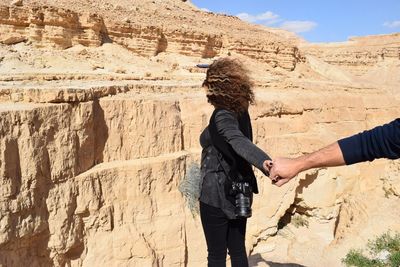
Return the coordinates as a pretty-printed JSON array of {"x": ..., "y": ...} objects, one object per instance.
[
  {"x": 64, "y": 28},
  {"x": 96, "y": 136},
  {"x": 360, "y": 54}
]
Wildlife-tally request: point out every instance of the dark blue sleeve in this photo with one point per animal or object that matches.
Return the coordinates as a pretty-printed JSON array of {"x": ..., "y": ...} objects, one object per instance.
[{"x": 380, "y": 142}]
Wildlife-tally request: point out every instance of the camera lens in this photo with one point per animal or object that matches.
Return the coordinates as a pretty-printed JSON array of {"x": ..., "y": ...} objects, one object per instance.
[{"x": 243, "y": 206}]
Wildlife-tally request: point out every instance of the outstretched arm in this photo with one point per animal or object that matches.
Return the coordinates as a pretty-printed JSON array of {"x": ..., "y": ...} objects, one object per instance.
[
  {"x": 380, "y": 142},
  {"x": 284, "y": 169},
  {"x": 228, "y": 126}
]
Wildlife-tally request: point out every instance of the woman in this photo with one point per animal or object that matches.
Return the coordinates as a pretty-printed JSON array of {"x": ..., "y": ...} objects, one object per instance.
[{"x": 227, "y": 154}]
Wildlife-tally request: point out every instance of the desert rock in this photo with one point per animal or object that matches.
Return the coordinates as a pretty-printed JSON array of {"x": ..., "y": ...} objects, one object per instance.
[{"x": 101, "y": 109}]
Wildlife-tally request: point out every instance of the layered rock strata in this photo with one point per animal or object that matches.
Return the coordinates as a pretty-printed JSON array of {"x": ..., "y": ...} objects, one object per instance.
[
  {"x": 62, "y": 28},
  {"x": 96, "y": 182},
  {"x": 360, "y": 54}
]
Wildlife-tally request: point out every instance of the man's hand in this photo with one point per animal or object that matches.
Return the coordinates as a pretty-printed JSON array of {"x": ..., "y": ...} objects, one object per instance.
[{"x": 282, "y": 170}]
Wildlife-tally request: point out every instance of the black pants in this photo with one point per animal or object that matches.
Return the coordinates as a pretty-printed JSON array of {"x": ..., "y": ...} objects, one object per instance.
[{"x": 223, "y": 234}]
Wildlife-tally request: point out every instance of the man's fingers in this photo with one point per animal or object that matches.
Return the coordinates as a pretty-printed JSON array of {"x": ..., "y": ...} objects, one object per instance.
[
  {"x": 274, "y": 180},
  {"x": 281, "y": 182},
  {"x": 272, "y": 174}
]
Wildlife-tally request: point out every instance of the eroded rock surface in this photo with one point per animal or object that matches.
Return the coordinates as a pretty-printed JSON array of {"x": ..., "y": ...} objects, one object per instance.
[{"x": 100, "y": 118}]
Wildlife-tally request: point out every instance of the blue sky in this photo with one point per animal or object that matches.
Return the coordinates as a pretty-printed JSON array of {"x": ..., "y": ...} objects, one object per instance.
[{"x": 316, "y": 20}]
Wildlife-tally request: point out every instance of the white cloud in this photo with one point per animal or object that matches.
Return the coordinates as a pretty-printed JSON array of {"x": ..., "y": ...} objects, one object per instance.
[
  {"x": 269, "y": 18},
  {"x": 205, "y": 9},
  {"x": 298, "y": 26},
  {"x": 392, "y": 24},
  {"x": 263, "y": 18}
]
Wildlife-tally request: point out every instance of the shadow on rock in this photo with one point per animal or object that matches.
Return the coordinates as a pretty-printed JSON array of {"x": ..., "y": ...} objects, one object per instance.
[{"x": 255, "y": 259}]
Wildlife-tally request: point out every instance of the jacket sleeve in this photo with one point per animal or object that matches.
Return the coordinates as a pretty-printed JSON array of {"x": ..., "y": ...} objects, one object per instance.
[
  {"x": 228, "y": 126},
  {"x": 380, "y": 142}
]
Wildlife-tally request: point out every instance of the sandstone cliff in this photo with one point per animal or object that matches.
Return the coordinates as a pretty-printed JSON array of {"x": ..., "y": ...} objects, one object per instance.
[
  {"x": 360, "y": 55},
  {"x": 100, "y": 117}
]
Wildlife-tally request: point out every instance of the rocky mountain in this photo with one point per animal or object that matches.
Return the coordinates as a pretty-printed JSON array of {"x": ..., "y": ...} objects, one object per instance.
[{"x": 101, "y": 109}]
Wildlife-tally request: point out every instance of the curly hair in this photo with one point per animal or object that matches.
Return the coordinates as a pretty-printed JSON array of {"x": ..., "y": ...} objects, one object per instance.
[{"x": 229, "y": 85}]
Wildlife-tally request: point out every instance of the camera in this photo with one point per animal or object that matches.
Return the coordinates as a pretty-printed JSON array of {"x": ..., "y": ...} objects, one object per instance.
[{"x": 242, "y": 192}]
